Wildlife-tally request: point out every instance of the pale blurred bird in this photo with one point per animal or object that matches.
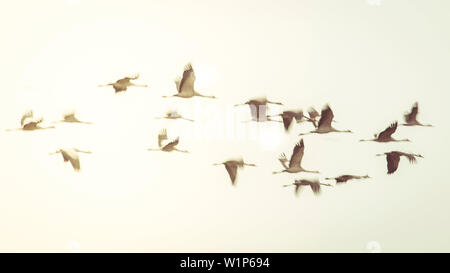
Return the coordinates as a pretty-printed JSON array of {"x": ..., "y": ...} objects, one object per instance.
[
  {"x": 258, "y": 108},
  {"x": 169, "y": 147},
  {"x": 296, "y": 160},
  {"x": 28, "y": 123},
  {"x": 393, "y": 159},
  {"x": 314, "y": 184},
  {"x": 71, "y": 154},
  {"x": 411, "y": 117},
  {"x": 174, "y": 115},
  {"x": 122, "y": 85},
  {"x": 386, "y": 135},
  {"x": 324, "y": 126},
  {"x": 185, "y": 85},
  {"x": 346, "y": 177},
  {"x": 69, "y": 117},
  {"x": 232, "y": 166}
]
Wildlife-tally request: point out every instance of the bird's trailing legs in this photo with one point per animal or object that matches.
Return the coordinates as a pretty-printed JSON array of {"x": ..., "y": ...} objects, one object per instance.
[{"x": 302, "y": 170}]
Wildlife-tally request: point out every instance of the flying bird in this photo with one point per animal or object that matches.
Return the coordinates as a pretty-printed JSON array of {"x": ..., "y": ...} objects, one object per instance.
[
  {"x": 346, "y": 177},
  {"x": 174, "y": 115},
  {"x": 122, "y": 85},
  {"x": 314, "y": 184},
  {"x": 288, "y": 117},
  {"x": 393, "y": 158},
  {"x": 28, "y": 123},
  {"x": 411, "y": 117},
  {"x": 386, "y": 135},
  {"x": 296, "y": 160},
  {"x": 71, "y": 154},
  {"x": 258, "y": 108},
  {"x": 169, "y": 147},
  {"x": 232, "y": 166},
  {"x": 185, "y": 85},
  {"x": 324, "y": 126},
  {"x": 70, "y": 117}
]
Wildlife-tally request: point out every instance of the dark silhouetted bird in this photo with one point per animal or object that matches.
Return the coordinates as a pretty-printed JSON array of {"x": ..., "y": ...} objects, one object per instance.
[
  {"x": 393, "y": 158},
  {"x": 232, "y": 166},
  {"x": 386, "y": 135},
  {"x": 296, "y": 160}
]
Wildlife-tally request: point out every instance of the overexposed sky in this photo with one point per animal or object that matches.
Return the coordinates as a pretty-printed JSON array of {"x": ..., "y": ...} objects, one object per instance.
[{"x": 369, "y": 61}]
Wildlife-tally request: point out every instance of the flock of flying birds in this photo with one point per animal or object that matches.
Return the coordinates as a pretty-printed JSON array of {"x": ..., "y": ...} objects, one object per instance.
[{"x": 185, "y": 86}]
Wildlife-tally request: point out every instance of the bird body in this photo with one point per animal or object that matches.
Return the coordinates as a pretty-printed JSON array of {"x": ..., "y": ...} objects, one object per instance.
[
  {"x": 411, "y": 117},
  {"x": 71, "y": 154},
  {"x": 393, "y": 159},
  {"x": 174, "y": 115},
  {"x": 346, "y": 177},
  {"x": 232, "y": 166},
  {"x": 27, "y": 123},
  {"x": 324, "y": 126},
  {"x": 386, "y": 135},
  {"x": 295, "y": 161},
  {"x": 185, "y": 85},
  {"x": 289, "y": 116},
  {"x": 71, "y": 118},
  {"x": 315, "y": 185},
  {"x": 258, "y": 108},
  {"x": 122, "y": 85},
  {"x": 169, "y": 147}
]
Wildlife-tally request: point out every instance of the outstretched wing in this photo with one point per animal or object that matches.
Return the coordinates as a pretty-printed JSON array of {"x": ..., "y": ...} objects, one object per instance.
[
  {"x": 25, "y": 116},
  {"x": 298, "y": 116},
  {"x": 171, "y": 144},
  {"x": 392, "y": 162},
  {"x": 283, "y": 160},
  {"x": 315, "y": 187},
  {"x": 75, "y": 163},
  {"x": 411, "y": 157},
  {"x": 313, "y": 113},
  {"x": 177, "y": 83},
  {"x": 412, "y": 116},
  {"x": 387, "y": 133},
  {"x": 188, "y": 79},
  {"x": 297, "y": 155},
  {"x": 162, "y": 136},
  {"x": 326, "y": 117},
  {"x": 287, "y": 120},
  {"x": 232, "y": 171}
]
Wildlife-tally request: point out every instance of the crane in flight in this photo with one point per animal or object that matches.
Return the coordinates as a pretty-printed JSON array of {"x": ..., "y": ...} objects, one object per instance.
[
  {"x": 232, "y": 167},
  {"x": 296, "y": 160},
  {"x": 346, "y": 177},
  {"x": 386, "y": 135},
  {"x": 393, "y": 159},
  {"x": 28, "y": 123},
  {"x": 71, "y": 154},
  {"x": 258, "y": 108},
  {"x": 289, "y": 116},
  {"x": 122, "y": 85},
  {"x": 314, "y": 184},
  {"x": 70, "y": 117},
  {"x": 411, "y": 117},
  {"x": 169, "y": 147},
  {"x": 185, "y": 85},
  {"x": 173, "y": 115},
  {"x": 324, "y": 126}
]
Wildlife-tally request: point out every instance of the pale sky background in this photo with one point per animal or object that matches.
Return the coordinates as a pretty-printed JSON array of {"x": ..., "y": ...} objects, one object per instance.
[{"x": 369, "y": 62}]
